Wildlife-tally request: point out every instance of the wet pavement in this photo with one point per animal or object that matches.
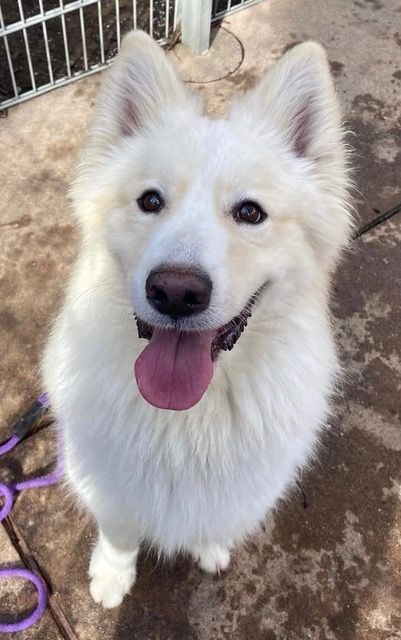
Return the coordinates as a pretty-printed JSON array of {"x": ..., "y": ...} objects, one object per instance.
[{"x": 327, "y": 564}]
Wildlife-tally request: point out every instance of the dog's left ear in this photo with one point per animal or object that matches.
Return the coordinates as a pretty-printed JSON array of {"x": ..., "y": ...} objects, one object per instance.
[
  {"x": 137, "y": 90},
  {"x": 298, "y": 96}
]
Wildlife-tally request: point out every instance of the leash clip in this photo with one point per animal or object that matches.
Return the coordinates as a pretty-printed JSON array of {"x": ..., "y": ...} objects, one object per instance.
[{"x": 24, "y": 424}]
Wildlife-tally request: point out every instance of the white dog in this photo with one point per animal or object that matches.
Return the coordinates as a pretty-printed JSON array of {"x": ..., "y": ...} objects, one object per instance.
[{"x": 192, "y": 364}]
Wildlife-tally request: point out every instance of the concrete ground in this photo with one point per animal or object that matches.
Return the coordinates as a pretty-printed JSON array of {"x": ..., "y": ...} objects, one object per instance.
[{"x": 327, "y": 569}]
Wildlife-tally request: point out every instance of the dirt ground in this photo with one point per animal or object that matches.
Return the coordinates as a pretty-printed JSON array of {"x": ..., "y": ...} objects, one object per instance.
[{"x": 328, "y": 568}]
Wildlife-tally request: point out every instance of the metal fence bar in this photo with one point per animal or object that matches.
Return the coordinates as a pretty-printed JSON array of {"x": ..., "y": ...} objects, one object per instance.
[
  {"x": 134, "y": 17},
  {"x": 27, "y": 50},
  {"x": 167, "y": 26},
  {"x": 83, "y": 37},
  {"x": 46, "y": 41},
  {"x": 151, "y": 18},
  {"x": 195, "y": 24},
  {"x": 65, "y": 40},
  {"x": 9, "y": 59},
  {"x": 175, "y": 19},
  {"x": 118, "y": 25},
  {"x": 101, "y": 39}
]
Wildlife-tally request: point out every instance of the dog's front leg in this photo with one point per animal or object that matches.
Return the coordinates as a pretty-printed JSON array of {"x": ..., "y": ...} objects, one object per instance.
[{"x": 112, "y": 567}]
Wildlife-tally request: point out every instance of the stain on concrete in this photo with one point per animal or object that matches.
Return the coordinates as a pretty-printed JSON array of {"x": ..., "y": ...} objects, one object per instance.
[
  {"x": 377, "y": 151},
  {"x": 59, "y": 151},
  {"x": 22, "y": 221},
  {"x": 367, "y": 102},
  {"x": 79, "y": 91},
  {"x": 42, "y": 180},
  {"x": 336, "y": 68},
  {"x": 245, "y": 79},
  {"x": 291, "y": 45},
  {"x": 364, "y": 4}
]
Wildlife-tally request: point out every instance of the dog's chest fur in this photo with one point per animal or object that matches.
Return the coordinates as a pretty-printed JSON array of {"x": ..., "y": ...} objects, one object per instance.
[{"x": 183, "y": 478}]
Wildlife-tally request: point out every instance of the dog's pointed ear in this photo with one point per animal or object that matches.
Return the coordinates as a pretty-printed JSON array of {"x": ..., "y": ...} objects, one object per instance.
[
  {"x": 298, "y": 96},
  {"x": 138, "y": 88}
]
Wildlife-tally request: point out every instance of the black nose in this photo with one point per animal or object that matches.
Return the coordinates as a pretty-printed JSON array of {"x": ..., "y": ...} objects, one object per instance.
[{"x": 178, "y": 292}]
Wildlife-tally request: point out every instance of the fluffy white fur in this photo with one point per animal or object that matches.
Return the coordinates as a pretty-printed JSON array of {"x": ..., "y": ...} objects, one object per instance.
[{"x": 202, "y": 479}]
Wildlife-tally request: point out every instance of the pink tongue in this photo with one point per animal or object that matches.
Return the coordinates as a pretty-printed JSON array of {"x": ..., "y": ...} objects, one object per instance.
[{"x": 175, "y": 369}]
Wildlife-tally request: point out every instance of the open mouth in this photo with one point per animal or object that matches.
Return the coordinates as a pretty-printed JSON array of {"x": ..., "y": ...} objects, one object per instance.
[{"x": 176, "y": 367}]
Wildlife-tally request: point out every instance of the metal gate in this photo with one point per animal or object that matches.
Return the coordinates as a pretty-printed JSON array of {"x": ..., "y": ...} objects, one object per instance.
[
  {"x": 48, "y": 43},
  {"x": 222, "y": 7}
]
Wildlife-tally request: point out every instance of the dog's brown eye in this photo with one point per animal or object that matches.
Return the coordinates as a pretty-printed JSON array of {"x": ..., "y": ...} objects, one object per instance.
[
  {"x": 249, "y": 212},
  {"x": 151, "y": 202}
]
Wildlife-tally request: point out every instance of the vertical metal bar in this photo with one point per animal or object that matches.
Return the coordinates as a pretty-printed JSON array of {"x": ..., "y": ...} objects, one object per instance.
[
  {"x": 83, "y": 37},
  {"x": 9, "y": 59},
  {"x": 228, "y": 5},
  {"x": 27, "y": 49},
  {"x": 65, "y": 40},
  {"x": 134, "y": 18},
  {"x": 118, "y": 24},
  {"x": 167, "y": 29},
  {"x": 46, "y": 40},
  {"x": 176, "y": 10},
  {"x": 151, "y": 18},
  {"x": 100, "y": 20},
  {"x": 196, "y": 23}
]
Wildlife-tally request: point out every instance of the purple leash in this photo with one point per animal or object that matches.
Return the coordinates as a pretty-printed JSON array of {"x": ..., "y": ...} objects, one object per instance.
[{"x": 8, "y": 492}]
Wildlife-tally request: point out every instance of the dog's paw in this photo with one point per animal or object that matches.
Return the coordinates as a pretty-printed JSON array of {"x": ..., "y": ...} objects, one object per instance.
[
  {"x": 212, "y": 558},
  {"x": 111, "y": 578},
  {"x": 109, "y": 590}
]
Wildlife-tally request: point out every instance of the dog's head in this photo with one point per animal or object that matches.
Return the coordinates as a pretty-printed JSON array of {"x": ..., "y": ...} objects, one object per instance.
[{"x": 210, "y": 221}]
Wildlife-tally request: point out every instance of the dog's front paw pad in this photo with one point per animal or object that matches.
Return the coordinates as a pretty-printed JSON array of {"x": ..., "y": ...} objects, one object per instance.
[
  {"x": 212, "y": 558},
  {"x": 109, "y": 584}
]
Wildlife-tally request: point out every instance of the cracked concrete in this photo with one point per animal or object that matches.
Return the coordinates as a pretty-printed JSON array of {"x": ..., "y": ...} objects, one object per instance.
[{"x": 330, "y": 571}]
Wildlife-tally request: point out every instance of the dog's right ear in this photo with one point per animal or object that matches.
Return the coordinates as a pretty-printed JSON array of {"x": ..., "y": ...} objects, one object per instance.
[
  {"x": 138, "y": 88},
  {"x": 297, "y": 97}
]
